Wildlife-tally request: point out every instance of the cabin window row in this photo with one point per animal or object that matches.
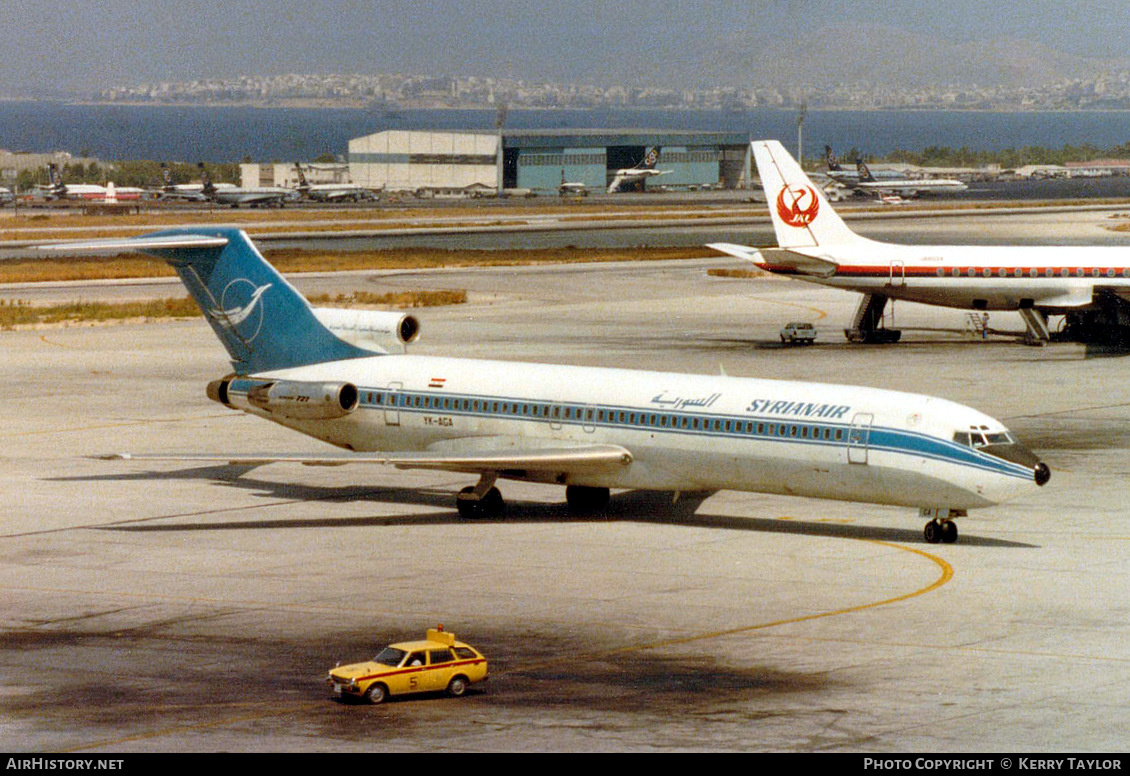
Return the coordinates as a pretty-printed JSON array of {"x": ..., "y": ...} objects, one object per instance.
[
  {"x": 557, "y": 412},
  {"x": 1032, "y": 272}
]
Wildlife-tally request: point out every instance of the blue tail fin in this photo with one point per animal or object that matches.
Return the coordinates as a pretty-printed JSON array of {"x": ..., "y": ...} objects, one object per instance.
[{"x": 262, "y": 320}]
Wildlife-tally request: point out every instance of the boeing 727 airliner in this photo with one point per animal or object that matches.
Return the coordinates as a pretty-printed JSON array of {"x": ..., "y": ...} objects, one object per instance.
[
  {"x": 342, "y": 377},
  {"x": 1087, "y": 285}
]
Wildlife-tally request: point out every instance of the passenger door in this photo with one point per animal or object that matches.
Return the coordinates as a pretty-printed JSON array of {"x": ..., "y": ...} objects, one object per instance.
[
  {"x": 392, "y": 411},
  {"x": 898, "y": 274},
  {"x": 859, "y": 436}
]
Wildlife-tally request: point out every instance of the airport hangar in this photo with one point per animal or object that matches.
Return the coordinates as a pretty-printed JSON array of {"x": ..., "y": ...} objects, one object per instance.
[{"x": 539, "y": 160}]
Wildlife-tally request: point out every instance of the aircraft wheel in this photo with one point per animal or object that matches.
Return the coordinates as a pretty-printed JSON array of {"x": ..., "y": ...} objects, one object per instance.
[
  {"x": 584, "y": 500},
  {"x": 933, "y": 532},
  {"x": 490, "y": 505},
  {"x": 467, "y": 507},
  {"x": 949, "y": 531}
]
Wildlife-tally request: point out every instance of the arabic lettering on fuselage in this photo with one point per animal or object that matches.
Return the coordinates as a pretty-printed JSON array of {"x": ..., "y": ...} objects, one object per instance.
[
  {"x": 798, "y": 408},
  {"x": 678, "y": 402}
]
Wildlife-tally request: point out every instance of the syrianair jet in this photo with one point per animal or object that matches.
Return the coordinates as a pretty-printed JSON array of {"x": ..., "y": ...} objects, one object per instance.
[
  {"x": 343, "y": 377},
  {"x": 1090, "y": 286}
]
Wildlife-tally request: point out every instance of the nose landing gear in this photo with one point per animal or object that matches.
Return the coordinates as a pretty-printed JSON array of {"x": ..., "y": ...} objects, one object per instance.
[{"x": 941, "y": 527}]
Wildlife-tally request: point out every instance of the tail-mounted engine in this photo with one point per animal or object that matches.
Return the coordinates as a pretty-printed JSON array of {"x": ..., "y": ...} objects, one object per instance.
[
  {"x": 371, "y": 329},
  {"x": 287, "y": 398}
]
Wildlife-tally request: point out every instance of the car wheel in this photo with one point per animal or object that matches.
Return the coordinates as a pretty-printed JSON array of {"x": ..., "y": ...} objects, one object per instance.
[
  {"x": 458, "y": 687},
  {"x": 376, "y": 694}
]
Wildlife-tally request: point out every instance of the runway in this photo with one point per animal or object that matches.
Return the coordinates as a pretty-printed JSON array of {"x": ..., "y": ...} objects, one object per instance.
[{"x": 161, "y": 607}]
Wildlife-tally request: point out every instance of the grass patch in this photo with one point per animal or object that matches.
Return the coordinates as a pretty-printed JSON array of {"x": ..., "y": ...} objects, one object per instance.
[
  {"x": 59, "y": 268},
  {"x": 297, "y": 260},
  {"x": 720, "y": 272},
  {"x": 128, "y": 265},
  {"x": 436, "y": 298},
  {"x": 22, "y": 314}
]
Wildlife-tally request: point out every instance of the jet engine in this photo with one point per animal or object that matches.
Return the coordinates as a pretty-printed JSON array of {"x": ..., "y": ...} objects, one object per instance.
[
  {"x": 371, "y": 329},
  {"x": 287, "y": 398}
]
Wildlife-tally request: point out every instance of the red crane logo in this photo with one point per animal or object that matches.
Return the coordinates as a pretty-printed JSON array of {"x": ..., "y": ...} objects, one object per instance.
[{"x": 797, "y": 205}]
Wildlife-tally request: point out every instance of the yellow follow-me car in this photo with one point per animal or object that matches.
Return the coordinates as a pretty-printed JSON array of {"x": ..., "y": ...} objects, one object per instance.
[{"x": 437, "y": 663}]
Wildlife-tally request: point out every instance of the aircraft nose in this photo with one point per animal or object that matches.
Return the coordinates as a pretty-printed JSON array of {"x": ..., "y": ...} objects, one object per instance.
[{"x": 1018, "y": 453}]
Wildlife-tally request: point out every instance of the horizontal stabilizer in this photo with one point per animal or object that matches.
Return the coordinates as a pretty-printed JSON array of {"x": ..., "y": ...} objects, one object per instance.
[
  {"x": 738, "y": 251},
  {"x": 165, "y": 242},
  {"x": 262, "y": 320},
  {"x": 586, "y": 458},
  {"x": 780, "y": 260}
]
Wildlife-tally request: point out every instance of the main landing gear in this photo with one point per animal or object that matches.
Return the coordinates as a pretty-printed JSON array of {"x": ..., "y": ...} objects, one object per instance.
[
  {"x": 480, "y": 500},
  {"x": 490, "y": 505},
  {"x": 941, "y": 527},
  {"x": 484, "y": 500}
]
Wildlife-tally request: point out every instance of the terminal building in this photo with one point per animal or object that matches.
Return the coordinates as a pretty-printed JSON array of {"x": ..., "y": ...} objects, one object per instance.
[{"x": 539, "y": 161}]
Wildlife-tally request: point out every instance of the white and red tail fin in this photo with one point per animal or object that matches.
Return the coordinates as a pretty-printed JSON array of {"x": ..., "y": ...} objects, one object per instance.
[{"x": 802, "y": 216}]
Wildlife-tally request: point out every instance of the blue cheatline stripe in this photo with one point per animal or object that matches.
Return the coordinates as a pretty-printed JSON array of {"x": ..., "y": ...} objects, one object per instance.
[{"x": 760, "y": 428}]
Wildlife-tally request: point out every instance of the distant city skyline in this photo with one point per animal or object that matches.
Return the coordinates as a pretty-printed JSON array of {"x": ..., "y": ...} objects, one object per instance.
[{"x": 57, "y": 47}]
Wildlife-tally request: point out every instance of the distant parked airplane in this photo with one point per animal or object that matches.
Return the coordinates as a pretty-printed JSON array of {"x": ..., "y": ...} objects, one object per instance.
[
  {"x": 259, "y": 196},
  {"x": 862, "y": 180},
  {"x": 634, "y": 178},
  {"x": 331, "y": 192},
  {"x": 904, "y": 187},
  {"x": 56, "y": 189},
  {"x": 189, "y": 192}
]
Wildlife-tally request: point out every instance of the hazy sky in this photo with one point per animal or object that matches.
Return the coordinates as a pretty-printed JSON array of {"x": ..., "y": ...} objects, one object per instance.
[{"x": 85, "y": 44}]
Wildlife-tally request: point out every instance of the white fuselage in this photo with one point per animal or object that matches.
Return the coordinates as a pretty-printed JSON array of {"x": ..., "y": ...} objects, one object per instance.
[
  {"x": 254, "y": 196},
  {"x": 1050, "y": 278},
  {"x": 684, "y": 432},
  {"x": 911, "y": 188},
  {"x": 192, "y": 192},
  {"x": 327, "y": 192}
]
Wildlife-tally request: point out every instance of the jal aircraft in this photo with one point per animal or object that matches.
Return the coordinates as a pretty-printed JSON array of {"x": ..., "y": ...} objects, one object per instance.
[
  {"x": 634, "y": 178},
  {"x": 1087, "y": 285},
  {"x": 343, "y": 377}
]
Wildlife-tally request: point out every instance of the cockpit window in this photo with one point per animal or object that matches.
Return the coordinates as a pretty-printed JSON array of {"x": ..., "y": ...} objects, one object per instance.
[
  {"x": 982, "y": 437},
  {"x": 999, "y": 438}
]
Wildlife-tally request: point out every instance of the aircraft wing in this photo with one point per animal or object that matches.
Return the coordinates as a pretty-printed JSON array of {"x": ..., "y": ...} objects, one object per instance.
[
  {"x": 780, "y": 259},
  {"x": 474, "y": 455}
]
